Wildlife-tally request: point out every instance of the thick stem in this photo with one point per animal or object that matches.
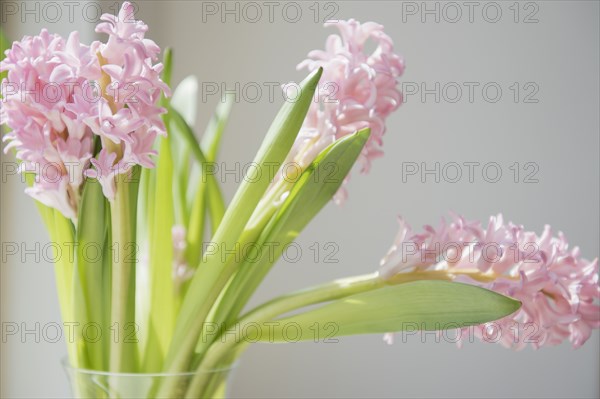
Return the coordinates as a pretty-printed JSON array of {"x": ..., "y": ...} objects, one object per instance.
[{"x": 123, "y": 352}]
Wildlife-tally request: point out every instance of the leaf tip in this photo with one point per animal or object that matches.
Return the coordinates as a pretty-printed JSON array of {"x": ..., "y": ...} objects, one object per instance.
[
  {"x": 319, "y": 71},
  {"x": 364, "y": 133},
  {"x": 313, "y": 79},
  {"x": 515, "y": 305}
]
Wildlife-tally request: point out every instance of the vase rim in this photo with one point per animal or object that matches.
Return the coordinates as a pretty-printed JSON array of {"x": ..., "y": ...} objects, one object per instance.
[{"x": 67, "y": 366}]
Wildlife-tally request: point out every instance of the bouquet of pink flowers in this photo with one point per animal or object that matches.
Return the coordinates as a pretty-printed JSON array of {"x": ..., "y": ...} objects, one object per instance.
[{"x": 124, "y": 186}]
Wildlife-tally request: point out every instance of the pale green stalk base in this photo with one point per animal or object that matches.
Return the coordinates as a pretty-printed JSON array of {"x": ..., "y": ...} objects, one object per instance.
[{"x": 123, "y": 351}]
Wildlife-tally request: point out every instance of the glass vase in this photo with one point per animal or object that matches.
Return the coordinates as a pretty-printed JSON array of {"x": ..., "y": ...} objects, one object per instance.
[{"x": 105, "y": 385}]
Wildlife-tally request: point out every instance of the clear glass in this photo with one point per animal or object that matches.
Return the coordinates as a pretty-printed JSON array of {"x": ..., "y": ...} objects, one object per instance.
[{"x": 104, "y": 385}]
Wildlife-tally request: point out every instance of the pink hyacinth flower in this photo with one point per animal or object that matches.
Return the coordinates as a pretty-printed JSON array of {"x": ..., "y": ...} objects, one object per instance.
[
  {"x": 128, "y": 114},
  {"x": 559, "y": 289},
  {"x": 46, "y": 74},
  {"x": 358, "y": 89},
  {"x": 55, "y": 107}
]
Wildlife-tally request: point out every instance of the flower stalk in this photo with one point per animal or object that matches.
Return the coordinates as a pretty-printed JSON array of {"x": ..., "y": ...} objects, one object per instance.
[{"x": 123, "y": 352}]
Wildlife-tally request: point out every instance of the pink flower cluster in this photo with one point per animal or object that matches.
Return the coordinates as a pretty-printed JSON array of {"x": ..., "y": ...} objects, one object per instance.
[
  {"x": 559, "y": 290},
  {"x": 358, "y": 89},
  {"x": 47, "y": 77},
  {"x": 60, "y": 97}
]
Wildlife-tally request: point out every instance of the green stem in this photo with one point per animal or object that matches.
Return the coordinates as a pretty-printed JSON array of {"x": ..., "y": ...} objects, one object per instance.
[
  {"x": 182, "y": 183},
  {"x": 123, "y": 352}
]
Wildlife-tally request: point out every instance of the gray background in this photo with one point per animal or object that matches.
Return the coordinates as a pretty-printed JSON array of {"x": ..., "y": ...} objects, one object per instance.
[{"x": 559, "y": 54}]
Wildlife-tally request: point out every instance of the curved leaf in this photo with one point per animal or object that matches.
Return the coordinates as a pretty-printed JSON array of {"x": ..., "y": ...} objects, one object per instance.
[
  {"x": 310, "y": 193},
  {"x": 420, "y": 305}
]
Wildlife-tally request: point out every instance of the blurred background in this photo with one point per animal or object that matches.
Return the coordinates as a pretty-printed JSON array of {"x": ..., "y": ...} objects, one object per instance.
[{"x": 512, "y": 86}]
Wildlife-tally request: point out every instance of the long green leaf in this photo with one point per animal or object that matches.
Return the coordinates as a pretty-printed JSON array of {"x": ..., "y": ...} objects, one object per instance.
[
  {"x": 211, "y": 140},
  {"x": 107, "y": 267},
  {"x": 208, "y": 193},
  {"x": 421, "y": 305},
  {"x": 60, "y": 231},
  {"x": 185, "y": 101},
  {"x": 89, "y": 299},
  {"x": 212, "y": 276},
  {"x": 162, "y": 300},
  {"x": 180, "y": 126},
  {"x": 4, "y": 44},
  {"x": 167, "y": 70},
  {"x": 157, "y": 307},
  {"x": 314, "y": 189},
  {"x": 357, "y": 305},
  {"x": 148, "y": 175},
  {"x": 62, "y": 234}
]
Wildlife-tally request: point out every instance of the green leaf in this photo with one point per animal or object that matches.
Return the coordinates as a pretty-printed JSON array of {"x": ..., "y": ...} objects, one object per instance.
[
  {"x": 89, "y": 300},
  {"x": 4, "y": 44},
  {"x": 162, "y": 289},
  {"x": 208, "y": 191},
  {"x": 62, "y": 233},
  {"x": 60, "y": 230},
  {"x": 107, "y": 267},
  {"x": 159, "y": 301},
  {"x": 209, "y": 279},
  {"x": 421, "y": 305},
  {"x": 274, "y": 149},
  {"x": 168, "y": 67},
  {"x": 318, "y": 184},
  {"x": 184, "y": 100},
  {"x": 357, "y": 305},
  {"x": 178, "y": 124},
  {"x": 314, "y": 189},
  {"x": 211, "y": 140},
  {"x": 148, "y": 175},
  {"x": 213, "y": 193}
]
